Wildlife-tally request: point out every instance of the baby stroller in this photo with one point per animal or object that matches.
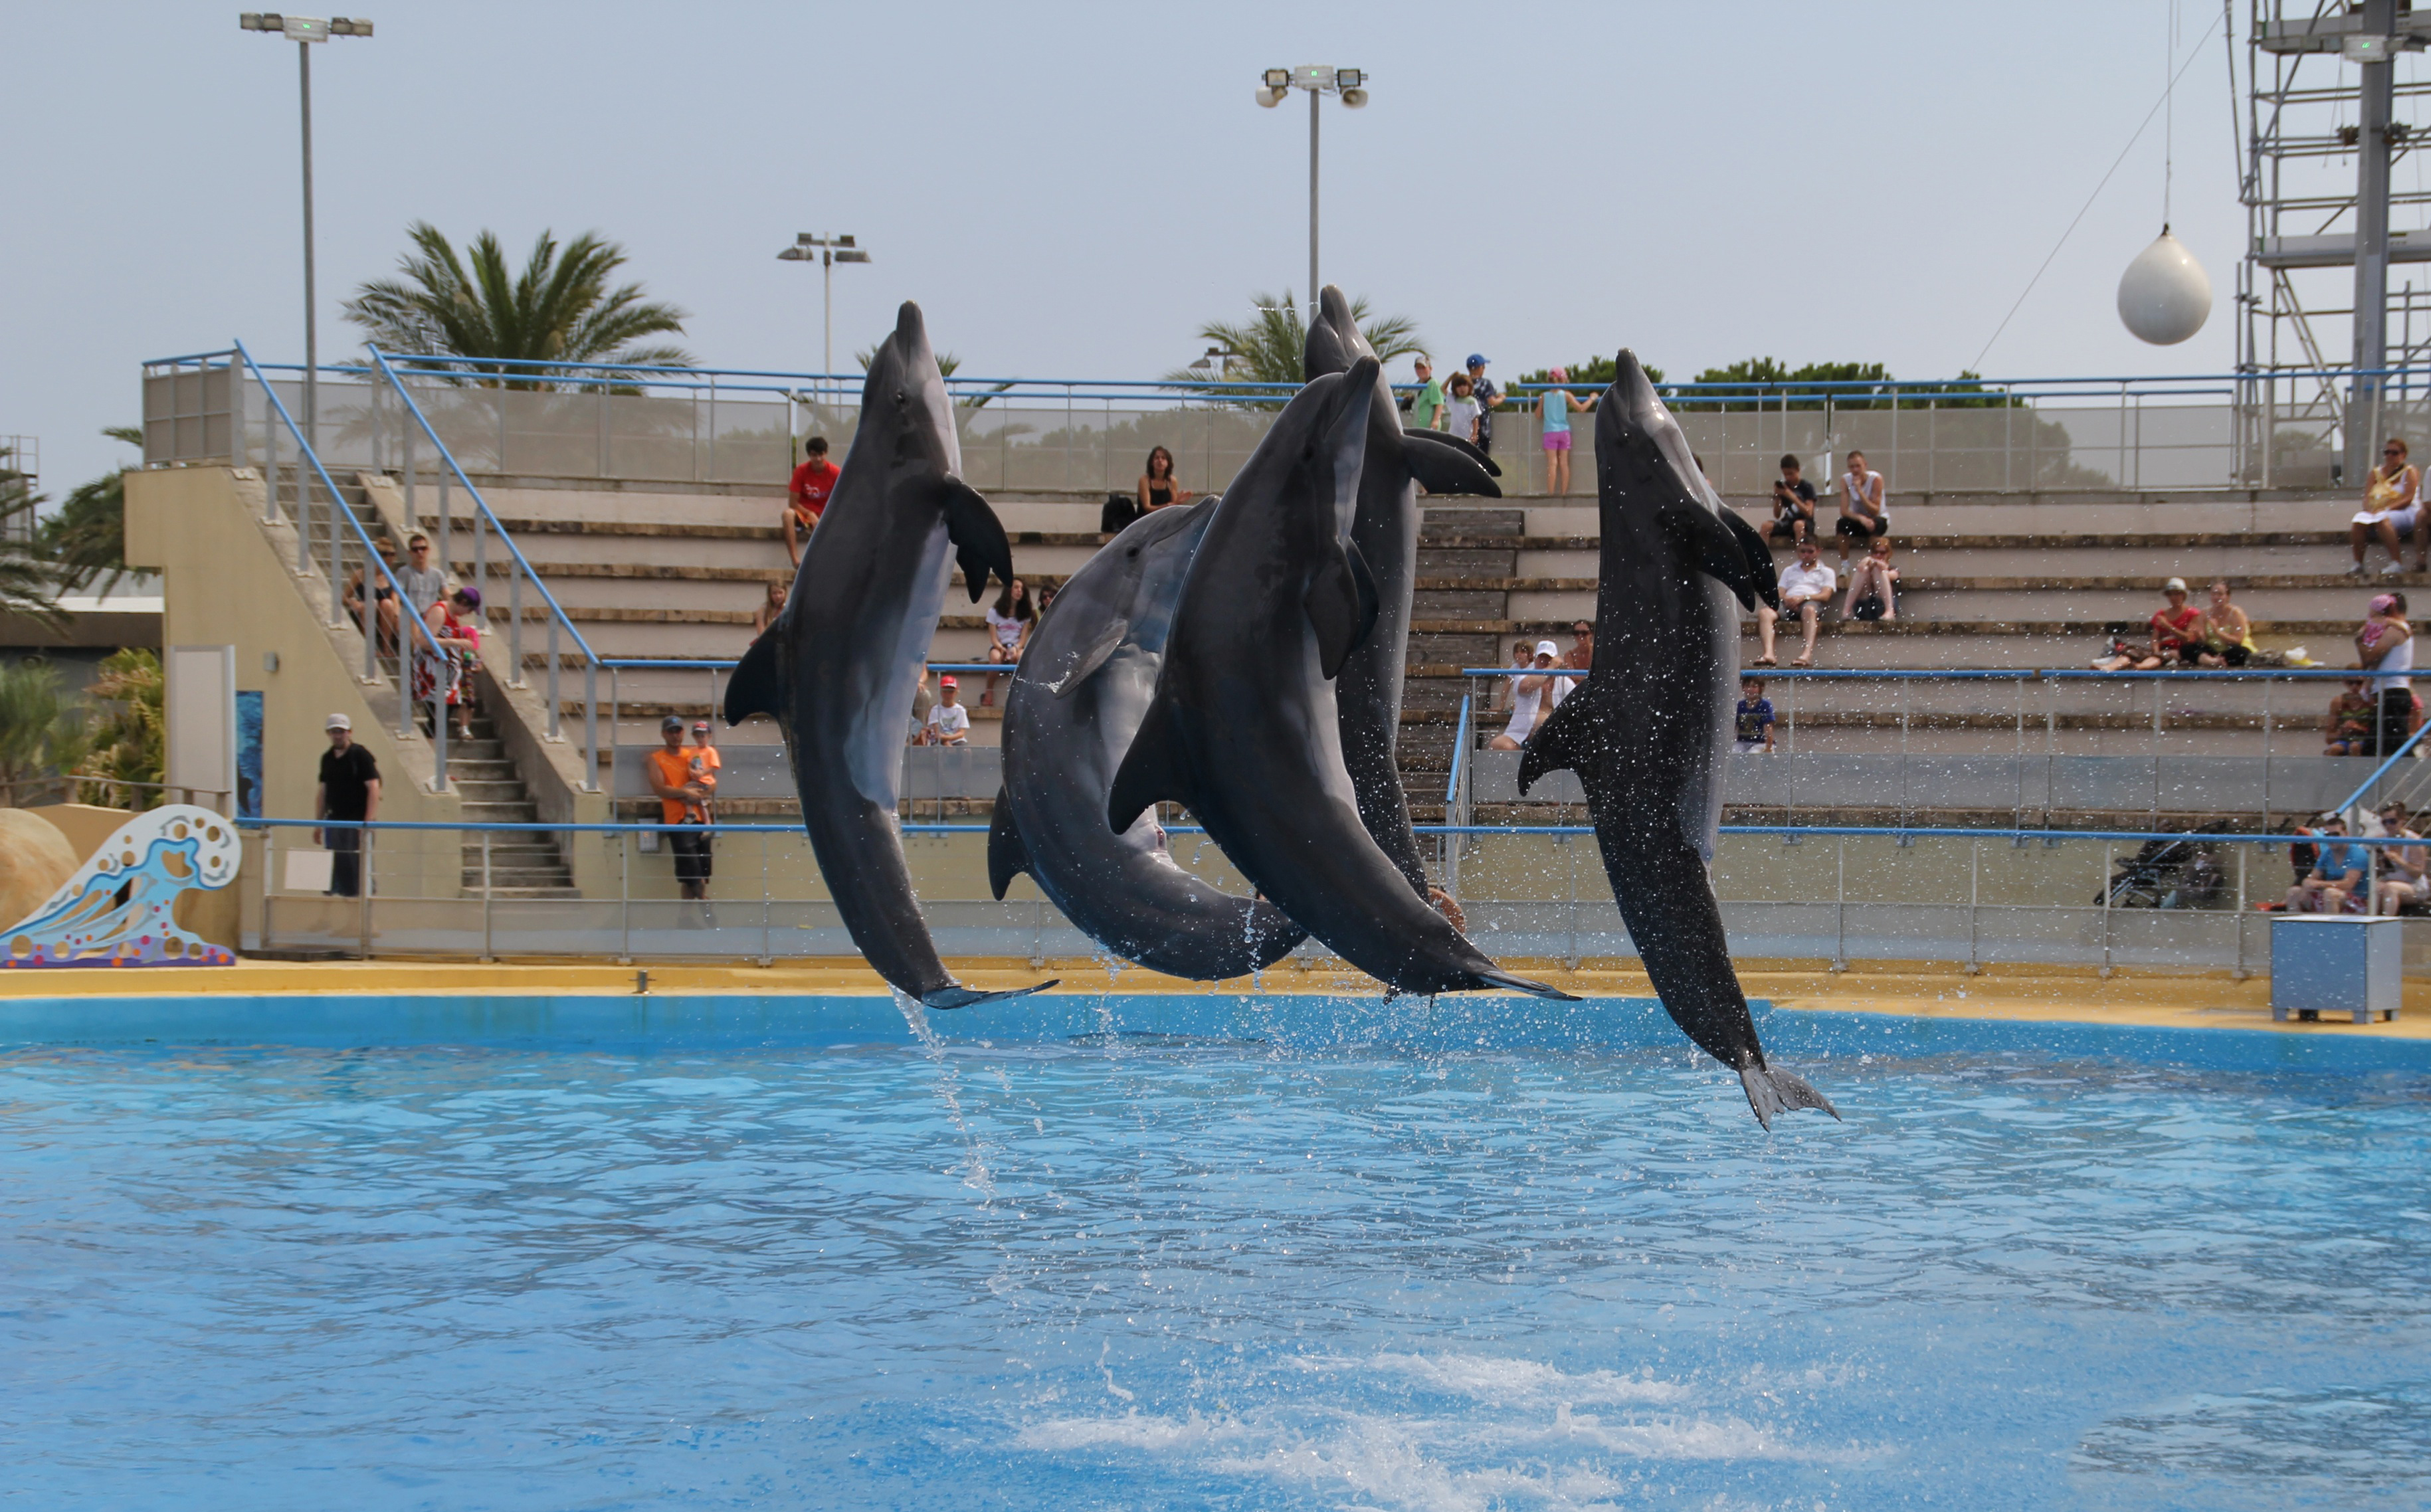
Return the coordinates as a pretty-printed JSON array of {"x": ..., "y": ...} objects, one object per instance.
[{"x": 2167, "y": 874}]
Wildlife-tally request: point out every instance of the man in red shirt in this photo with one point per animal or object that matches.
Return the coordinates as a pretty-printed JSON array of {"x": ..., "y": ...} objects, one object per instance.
[{"x": 806, "y": 495}]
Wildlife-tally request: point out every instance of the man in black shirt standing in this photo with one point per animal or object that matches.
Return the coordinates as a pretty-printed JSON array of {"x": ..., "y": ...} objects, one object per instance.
[{"x": 350, "y": 788}]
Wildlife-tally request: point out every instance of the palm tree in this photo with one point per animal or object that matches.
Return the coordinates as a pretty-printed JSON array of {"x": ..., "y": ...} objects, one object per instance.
[
  {"x": 86, "y": 541},
  {"x": 1270, "y": 349},
  {"x": 27, "y": 584},
  {"x": 43, "y": 731},
  {"x": 559, "y": 308}
]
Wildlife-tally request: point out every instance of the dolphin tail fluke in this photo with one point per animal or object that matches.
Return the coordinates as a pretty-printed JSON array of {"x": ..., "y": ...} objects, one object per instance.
[
  {"x": 978, "y": 535},
  {"x": 1772, "y": 1090},
  {"x": 959, "y": 996},
  {"x": 1443, "y": 468},
  {"x": 1153, "y": 771},
  {"x": 755, "y": 688},
  {"x": 1558, "y": 744},
  {"x": 1498, "y": 977},
  {"x": 1007, "y": 855}
]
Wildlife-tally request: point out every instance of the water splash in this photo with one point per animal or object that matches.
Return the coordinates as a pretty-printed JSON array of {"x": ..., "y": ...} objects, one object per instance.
[{"x": 975, "y": 1174}]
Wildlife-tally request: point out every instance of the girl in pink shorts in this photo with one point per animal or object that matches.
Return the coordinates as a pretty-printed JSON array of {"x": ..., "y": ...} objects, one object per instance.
[{"x": 1555, "y": 410}]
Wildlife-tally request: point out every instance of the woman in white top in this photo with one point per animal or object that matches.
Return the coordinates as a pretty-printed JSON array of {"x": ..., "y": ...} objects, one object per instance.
[
  {"x": 1862, "y": 515},
  {"x": 1539, "y": 695},
  {"x": 1010, "y": 620},
  {"x": 2391, "y": 512},
  {"x": 2384, "y": 647}
]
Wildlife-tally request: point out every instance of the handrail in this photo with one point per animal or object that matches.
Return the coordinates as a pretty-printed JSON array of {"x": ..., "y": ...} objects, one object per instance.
[
  {"x": 371, "y": 558},
  {"x": 1767, "y": 674},
  {"x": 1459, "y": 754},
  {"x": 2400, "y": 754},
  {"x": 558, "y": 618},
  {"x": 1928, "y": 831}
]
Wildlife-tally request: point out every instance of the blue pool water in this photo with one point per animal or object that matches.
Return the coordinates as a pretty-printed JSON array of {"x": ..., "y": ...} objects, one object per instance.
[{"x": 787, "y": 1255}]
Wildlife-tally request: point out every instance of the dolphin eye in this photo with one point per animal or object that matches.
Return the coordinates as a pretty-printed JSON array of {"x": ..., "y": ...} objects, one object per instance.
[{"x": 898, "y": 396}]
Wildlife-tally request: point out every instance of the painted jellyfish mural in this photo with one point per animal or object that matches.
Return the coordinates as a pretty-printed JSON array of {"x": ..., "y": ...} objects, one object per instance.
[{"x": 117, "y": 910}]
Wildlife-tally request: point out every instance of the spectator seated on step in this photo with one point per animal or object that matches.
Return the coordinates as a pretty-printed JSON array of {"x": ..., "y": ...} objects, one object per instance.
[
  {"x": 2391, "y": 512},
  {"x": 1806, "y": 586},
  {"x": 2338, "y": 877},
  {"x": 1534, "y": 701},
  {"x": 424, "y": 581},
  {"x": 771, "y": 605},
  {"x": 1752, "y": 720},
  {"x": 1793, "y": 505},
  {"x": 950, "y": 720},
  {"x": 2227, "y": 631},
  {"x": 1580, "y": 658},
  {"x": 2348, "y": 726},
  {"x": 2402, "y": 887},
  {"x": 1505, "y": 696},
  {"x": 383, "y": 596},
  {"x": 806, "y": 496},
  {"x": 2174, "y": 636},
  {"x": 1873, "y": 584}
]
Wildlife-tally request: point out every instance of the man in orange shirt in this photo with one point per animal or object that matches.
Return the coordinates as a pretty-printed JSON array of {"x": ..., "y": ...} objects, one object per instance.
[
  {"x": 806, "y": 495},
  {"x": 683, "y": 786}
]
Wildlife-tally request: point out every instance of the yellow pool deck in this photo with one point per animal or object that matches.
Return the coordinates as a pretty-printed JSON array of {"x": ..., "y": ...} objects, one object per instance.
[{"x": 1920, "y": 989}]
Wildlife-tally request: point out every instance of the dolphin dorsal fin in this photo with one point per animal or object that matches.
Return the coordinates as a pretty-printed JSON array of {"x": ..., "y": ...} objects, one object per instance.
[
  {"x": 1559, "y": 745},
  {"x": 756, "y": 687},
  {"x": 1154, "y": 770},
  {"x": 1442, "y": 468},
  {"x": 1007, "y": 856}
]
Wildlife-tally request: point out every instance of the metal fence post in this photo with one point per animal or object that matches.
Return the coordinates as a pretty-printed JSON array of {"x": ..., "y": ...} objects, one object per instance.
[
  {"x": 2269, "y": 687},
  {"x": 337, "y": 582},
  {"x": 1840, "y": 903},
  {"x": 515, "y": 625},
  {"x": 624, "y": 897},
  {"x": 365, "y": 838},
  {"x": 2107, "y": 845},
  {"x": 487, "y": 893},
  {"x": 767, "y": 951},
  {"x": 590, "y": 726},
  {"x": 1974, "y": 897},
  {"x": 552, "y": 678},
  {"x": 2238, "y": 972}
]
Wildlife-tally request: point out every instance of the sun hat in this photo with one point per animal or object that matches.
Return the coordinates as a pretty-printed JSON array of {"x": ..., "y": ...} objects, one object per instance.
[
  {"x": 2175, "y": 585},
  {"x": 670, "y": 722},
  {"x": 1548, "y": 649},
  {"x": 337, "y": 721}
]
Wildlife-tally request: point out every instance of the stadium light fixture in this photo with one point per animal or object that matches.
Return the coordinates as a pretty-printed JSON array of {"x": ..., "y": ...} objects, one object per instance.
[
  {"x": 827, "y": 251},
  {"x": 1317, "y": 81}
]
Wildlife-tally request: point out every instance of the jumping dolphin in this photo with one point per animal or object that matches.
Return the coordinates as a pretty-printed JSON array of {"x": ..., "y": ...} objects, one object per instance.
[
  {"x": 838, "y": 668},
  {"x": 1385, "y": 531},
  {"x": 1077, "y": 697},
  {"x": 1646, "y": 730},
  {"x": 1244, "y": 727}
]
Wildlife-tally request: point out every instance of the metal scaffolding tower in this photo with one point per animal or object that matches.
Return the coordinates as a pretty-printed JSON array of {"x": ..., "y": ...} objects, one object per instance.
[{"x": 2325, "y": 119}]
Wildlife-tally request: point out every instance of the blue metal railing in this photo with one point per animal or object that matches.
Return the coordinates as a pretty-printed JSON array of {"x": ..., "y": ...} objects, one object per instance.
[
  {"x": 1459, "y": 755},
  {"x": 338, "y": 510},
  {"x": 521, "y": 568}
]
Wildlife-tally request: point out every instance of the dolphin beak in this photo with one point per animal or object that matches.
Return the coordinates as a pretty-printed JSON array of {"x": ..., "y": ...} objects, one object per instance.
[
  {"x": 1635, "y": 392},
  {"x": 911, "y": 329}
]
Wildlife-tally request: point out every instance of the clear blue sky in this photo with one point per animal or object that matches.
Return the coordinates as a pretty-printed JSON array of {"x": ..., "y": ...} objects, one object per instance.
[{"x": 1071, "y": 188}]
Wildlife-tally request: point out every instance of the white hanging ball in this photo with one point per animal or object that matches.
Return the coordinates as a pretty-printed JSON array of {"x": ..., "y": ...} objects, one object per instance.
[{"x": 2165, "y": 295}]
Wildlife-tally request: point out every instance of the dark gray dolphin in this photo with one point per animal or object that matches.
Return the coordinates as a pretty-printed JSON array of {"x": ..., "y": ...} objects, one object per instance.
[
  {"x": 1244, "y": 727},
  {"x": 1646, "y": 730},
  {"x": 1078, "y": 697},
  {"x": 838, "y": 668},
  {"x": 1385, "y": 531}
]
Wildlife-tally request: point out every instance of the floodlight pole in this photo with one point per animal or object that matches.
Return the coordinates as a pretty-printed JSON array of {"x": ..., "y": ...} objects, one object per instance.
[
  {"x": 2378, "y": 68},
  {"x": 1313, "y": 284},
  {"x": 305, "y": 32}
]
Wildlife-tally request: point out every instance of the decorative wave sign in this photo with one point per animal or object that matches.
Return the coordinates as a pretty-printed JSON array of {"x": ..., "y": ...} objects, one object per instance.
[{"x": 117, "y": 910}]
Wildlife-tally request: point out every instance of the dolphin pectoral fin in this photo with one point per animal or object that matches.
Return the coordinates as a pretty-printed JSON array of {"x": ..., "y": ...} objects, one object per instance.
[
  {"x": 1462, "y": 445},
  {"x": 1759, "y": 558},
  {"x": 1558, "y": 744},
  {"x": 1342, "y": 604},
  {"x": 962, "y": 997},
  {"x": 978, "y": 535},
  {"x": 1442, "y": 468},
  {"x": 1007, "y": 855},
  {"x": 1153, "y": 771},
  {"x": 1069, "y": 680},
  {"x": 1707, "y": 540},
  {"x": 755, "y": 688},
  {"x": 1505, "y": 978},
  {"x": 1772, "y": 1090}
]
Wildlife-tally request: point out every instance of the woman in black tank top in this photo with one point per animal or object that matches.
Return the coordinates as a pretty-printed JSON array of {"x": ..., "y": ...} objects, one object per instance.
[{"x": 1157, "y": 488}]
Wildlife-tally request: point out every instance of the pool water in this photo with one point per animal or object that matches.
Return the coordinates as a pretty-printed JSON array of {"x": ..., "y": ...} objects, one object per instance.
[{"x": 2034, "y": 1267}]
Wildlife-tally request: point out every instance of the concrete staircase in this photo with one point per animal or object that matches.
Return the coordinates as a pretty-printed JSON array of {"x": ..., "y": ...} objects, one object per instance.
[{"x": 518, "y": 865}]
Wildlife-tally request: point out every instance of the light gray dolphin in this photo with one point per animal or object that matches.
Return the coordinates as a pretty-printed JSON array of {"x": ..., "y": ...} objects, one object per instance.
[
  {"x": 1244, "y": 727},
  {"x": 1385, "y": 531},
  {"x": 1647, "y": 730},
  {"x": 839, "y": 667},
  {"x": 1078, "y": 697}
]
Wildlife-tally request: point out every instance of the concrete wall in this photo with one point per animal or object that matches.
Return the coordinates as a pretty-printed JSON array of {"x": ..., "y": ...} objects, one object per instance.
[{"x": 229, "y": 579}]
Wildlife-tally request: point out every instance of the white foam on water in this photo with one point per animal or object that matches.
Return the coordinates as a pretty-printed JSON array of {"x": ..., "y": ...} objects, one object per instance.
[{"x": 1519, "y": 1439}]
